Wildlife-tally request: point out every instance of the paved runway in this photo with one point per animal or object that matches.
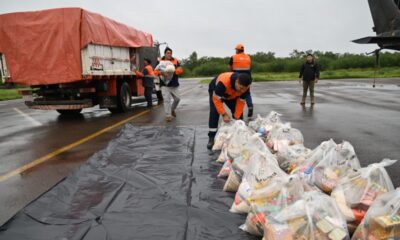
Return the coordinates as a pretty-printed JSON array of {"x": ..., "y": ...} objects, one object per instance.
[{"x": 346, "y": 110}]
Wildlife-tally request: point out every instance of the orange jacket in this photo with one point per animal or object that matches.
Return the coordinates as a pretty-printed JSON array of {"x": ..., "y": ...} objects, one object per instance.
[
  {"x": 147, "y": 76},
  {"x": 240, "y": 62},
  {"x": 225, "y": 90},
  {"x": 147, "y": 72}
]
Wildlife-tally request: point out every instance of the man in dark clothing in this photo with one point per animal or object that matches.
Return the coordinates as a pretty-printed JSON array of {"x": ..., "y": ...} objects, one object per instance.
[
  {"x": 147, "y": 81},
  {"x": 309, "y": 74}
]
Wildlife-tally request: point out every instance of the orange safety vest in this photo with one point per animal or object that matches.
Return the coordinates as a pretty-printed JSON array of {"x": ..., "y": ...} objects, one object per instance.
[
  {"x": 241, "y": 62},
  {"x": 150, "y": 72},
  {"x": 230, "y": 94}
]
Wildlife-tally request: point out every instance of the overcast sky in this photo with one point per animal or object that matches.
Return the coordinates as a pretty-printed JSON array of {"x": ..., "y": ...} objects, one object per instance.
[{"x": 214, "y": 27}]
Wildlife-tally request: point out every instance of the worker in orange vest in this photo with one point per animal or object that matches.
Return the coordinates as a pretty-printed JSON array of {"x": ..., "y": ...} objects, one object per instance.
[
  {"x": 232, "y": 89},
  {"x": 241, "y": 63},
  {"x": 147, "y": 77},
  {"x": 170, "y": 90}
]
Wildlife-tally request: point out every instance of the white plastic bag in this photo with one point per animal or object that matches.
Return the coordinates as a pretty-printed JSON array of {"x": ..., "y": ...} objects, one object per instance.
[
  {"x": 382, "y": 220},
  {"x": 283, "y": 136},
  {"x": 223, "y": 135},
  {"x": 264, "y": 125},
  {"x": 240, "y": 137},
  {"x": 290, "y": 154},
  {"x": 262, "y": 169},
  {"x": 357, "y": 191},
  {"x": 315, "y": 216},
  {"x": 167, "y": 70},
  {"x": 336, "y": 164},
  {"x": 279, "y": 194},
  {"x": 304, "y": 166},
  {"x": 240, "y": 163}
]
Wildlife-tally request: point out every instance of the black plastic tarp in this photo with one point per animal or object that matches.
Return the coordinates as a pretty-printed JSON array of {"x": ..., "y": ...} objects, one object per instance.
[{"x": 148, "y": 183}]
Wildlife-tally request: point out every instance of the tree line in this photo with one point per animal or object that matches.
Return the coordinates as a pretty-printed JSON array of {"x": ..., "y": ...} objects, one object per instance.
[{"x": 268, "y": 62}]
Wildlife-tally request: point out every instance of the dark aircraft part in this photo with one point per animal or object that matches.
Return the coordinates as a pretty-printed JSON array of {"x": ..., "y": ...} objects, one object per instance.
[
  {"x": 383, "y": 42},
  {"x": 385, "y": 14},
  {"x": 386, "y": 17},
  {"x": 378, "y": 40},
  {"x": 377, "y": 63}
]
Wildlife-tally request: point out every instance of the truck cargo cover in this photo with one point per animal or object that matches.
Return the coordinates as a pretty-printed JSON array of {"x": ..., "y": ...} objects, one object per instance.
[
  {"x": 148, "y": 183},
  {"x": 44, "y": 47}
]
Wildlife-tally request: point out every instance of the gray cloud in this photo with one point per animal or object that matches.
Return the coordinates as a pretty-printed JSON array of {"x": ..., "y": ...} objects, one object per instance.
[{"x": 214, "y": 27}]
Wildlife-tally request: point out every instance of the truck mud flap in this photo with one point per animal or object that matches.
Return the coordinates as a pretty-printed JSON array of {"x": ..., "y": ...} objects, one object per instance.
[{"x": 59, "y": 105}]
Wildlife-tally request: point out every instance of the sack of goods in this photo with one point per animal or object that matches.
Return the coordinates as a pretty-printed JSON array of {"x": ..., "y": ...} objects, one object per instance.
[
  {"x": 291, "y": 154},
  {"x": 262, "y": 170},
  {"x": 314, "y": 216},
  {"x": 357, "y": 191},
  {"x": 382, "y": 220},
  {"x": 326, "y": 196},
  {"x": 223, "y": 135},
  {"x": 167, "y": 70},
  {"x": 235, "y": 148},
  {"x": 239, "y": 138},
  {"x": 240, "y": 164},
  {"x": 283, "y": 135},
  {"x": 304, "y": 166},
  {"x": 278, "y": 195},
  {"x": 336, "y": 164},
  {"x": 264, "y": 125}
]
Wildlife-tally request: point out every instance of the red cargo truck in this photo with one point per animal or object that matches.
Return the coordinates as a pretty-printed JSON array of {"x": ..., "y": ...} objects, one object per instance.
[{"x": 73, "y": 59}]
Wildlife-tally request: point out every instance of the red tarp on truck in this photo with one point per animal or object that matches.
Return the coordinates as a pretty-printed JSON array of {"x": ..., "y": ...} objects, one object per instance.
[{"x": 44, "y": 47}]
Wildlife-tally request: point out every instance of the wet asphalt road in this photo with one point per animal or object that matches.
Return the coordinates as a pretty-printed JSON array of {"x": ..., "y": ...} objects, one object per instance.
[{"x": 351, "y": 110}]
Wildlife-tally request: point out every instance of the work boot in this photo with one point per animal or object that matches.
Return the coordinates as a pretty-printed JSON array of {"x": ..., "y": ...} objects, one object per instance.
[
  {"x": 149, "y": 105},
  {"x": 250, "y": 112},
  {"x": 168, "y": 118},
  {"x": 210, "y": 143},
  {"x": 312, "y": 101},
  {"x": 173, "y": 113},
  {"x": 303, "y": 101}
]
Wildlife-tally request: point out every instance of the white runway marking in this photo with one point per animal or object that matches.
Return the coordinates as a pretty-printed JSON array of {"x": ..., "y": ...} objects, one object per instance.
[{"x": 29, "y": 118}]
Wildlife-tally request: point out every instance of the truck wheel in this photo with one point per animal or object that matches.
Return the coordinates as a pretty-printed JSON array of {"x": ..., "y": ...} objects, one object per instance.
[
  {"x": 69, "y": 111},
  {"x": 124, "y": 99}
]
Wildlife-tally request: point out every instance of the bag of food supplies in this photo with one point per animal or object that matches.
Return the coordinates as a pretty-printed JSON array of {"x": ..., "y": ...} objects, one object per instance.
[
  {"x": 357, "y": 191},
  {"x": 223, "y": 135},
  {"x": 304, "y": 166},
  {"x": 336, "y": 164},
  {"x": 166, "y": 69},
  {"x": 382, "y": 220},
  {"x": 314, "y": 216},
  {"x": 240, "y": 163},
  {"x": 282, "y": 136},
  {"x": 290, "y": 154},
  {"x": 279, "y": 194},
  {"x": 240, "y": 137},
  {"x": 223, "y": 156},
  {"x": 262, "y": 170},
  {"x": 266, "y": 123}
]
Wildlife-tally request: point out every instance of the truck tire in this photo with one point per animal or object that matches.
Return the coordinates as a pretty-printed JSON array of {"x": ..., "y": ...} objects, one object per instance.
[
  {"x": 124, "y": 99},
  {"x": 69, "y": 112}
]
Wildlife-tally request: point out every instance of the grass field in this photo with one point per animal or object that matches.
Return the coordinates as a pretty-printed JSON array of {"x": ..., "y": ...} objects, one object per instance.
[
  {"x": 9, "y": 94},
  {"x": 329, "y": 74}
]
